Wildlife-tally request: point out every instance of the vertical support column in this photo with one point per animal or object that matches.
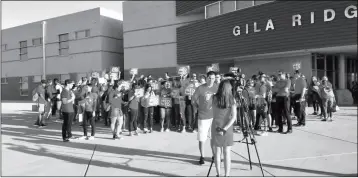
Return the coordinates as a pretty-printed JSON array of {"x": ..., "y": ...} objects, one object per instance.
[{"x": 341, "y": 72}]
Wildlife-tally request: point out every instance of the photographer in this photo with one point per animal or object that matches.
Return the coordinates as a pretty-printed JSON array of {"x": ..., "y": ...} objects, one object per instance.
[{"x": 224, "y": 112}]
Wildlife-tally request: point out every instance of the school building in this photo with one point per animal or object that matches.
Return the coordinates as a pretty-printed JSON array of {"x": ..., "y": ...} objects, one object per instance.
[
  {"x": 269, "y": 36},
  {"x": 76, "y": 45}
]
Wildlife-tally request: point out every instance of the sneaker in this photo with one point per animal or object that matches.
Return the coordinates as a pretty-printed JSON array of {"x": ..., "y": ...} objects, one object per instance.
[
  {"x": 119, "y": 138},
  {"x": 136, "y": 133},
  {"x": 151, "y": 130},
  {"x": 114, "y": 136},
  {"x": 183, "y": 130},
  {"x": 167, "y": 130},
  {"x": 264, "y": 134},
  {"x": 66, "y": 140},
  {"x": 324, "y": 120},
  {"x": 314, "y": 113},
  {"x": 90, "y": 138},
  {"x": 195, "y": 130},
  {"x": 130, "y": 134},
  {"x": 72, "y": 138},
  {"x": 201, "y": 160},
  {"x": 36, "y": 124},
  {"x": 162, "y": 130},
  {"x": 82, "y": 138}
]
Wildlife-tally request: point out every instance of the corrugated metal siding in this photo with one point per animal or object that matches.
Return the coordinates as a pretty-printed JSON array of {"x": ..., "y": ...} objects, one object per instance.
[
  {"x": 183, "y": 7},
  {"x": 213, "y": 39}
]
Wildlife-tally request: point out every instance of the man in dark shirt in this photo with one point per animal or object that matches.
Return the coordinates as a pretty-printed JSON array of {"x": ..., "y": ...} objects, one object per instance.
[{"x": 67, "y": 98}]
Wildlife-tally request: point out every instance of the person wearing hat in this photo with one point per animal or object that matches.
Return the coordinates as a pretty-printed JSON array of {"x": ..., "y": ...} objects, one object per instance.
[
  {"x": 68, "y": 99},
  {"x": 39, "y": 96}
]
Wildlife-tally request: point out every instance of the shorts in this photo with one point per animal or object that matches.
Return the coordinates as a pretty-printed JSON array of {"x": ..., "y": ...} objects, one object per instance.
[
  {"x": 204, "y": 129},
  {"x": 41, "y": 108}
]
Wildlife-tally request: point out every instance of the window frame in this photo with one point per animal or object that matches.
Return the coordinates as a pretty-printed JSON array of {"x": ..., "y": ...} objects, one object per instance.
[
  {"x": 5, "y": 81},
  {"x": 87, "y": 33},
  {"x": 21, "y": 48},
  {"x": 63, "y": 41},
  {"x": 33, "y": 41},
  {"x": 36, "y": 81},
  {"x": 22, "y": 82},
  {"x": 4, "y": 47}
]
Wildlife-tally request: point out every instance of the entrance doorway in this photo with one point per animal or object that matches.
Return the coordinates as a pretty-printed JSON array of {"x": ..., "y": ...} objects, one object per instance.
[{"x": 325, "y": 65}]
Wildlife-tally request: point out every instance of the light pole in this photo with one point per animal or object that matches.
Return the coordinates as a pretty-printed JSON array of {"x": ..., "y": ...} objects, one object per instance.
[{"x": 44, "y": 50}]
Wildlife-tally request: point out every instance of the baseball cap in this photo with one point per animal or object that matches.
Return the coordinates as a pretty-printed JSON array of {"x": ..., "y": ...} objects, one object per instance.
[{"x": 43, "y": 81}]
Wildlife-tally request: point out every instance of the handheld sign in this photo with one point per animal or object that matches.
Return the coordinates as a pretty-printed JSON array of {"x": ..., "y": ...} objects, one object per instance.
[
  {"x": 139, "y": 92},
  {"x": 190, "y": 89},
  {"x": 133, "y": 71},
  {"x": 209, "y": 68},
  {"x": 183, "y": 70},
  {"x": 166, "y": 102},
  {"x": 115, "y": 70},
  {"x": 296, "y": 66},
  {"x": 95, "y": 75},
  {"x": 155, "y": 86},
  {"x": 233, "y": 69},
  {"x": 153, "y": 101},
  {"x": 215, "y": 67},
  {"x": 114, "y": 76}
]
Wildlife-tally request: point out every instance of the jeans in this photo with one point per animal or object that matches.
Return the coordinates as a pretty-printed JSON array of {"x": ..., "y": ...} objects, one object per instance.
[
  {"x": 148, "y": 114},
  {"x": 327, "y": 107},
  {"x": 283, "y": 109},
  {"x": 299, "y": 109},
  {"x": 116, "y": 124},
  {"x": 165, "y": 115},
  {"x": 189, "y": 114},
  {"x": 88, "y": 117},
  {"x": 67, "y": 124},
  {"x": 133, "y": 117}
]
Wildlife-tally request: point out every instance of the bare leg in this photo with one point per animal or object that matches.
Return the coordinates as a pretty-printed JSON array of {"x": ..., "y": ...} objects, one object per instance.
[
  {"x": 201, "y": 148},
  {"x": 227, "y": 160},
  {"x": 217, "y": 151}
]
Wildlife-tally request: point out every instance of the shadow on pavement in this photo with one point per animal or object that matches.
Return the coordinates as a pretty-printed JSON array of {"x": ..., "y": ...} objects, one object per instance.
[{"x": 32, "y": 136}]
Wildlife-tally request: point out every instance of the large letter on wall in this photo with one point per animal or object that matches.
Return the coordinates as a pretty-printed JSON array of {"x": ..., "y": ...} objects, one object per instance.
[
  {"x": 332, "y": 12},
  {"x": 351, "y": 14},
  {"x": 296, "y": 19}
]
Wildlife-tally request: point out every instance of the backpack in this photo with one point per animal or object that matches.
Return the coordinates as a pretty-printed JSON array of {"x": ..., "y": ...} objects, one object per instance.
[{"x": 35, "y": 95}]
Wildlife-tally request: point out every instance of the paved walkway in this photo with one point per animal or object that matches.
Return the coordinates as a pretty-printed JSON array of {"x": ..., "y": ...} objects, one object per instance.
[{"x": 319, "y": 149}]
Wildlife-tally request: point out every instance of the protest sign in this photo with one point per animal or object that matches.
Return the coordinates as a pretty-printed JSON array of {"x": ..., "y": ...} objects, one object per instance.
[
  {"x": 95, "y": 75},
  {"x": 114, "y": 76},
  {"x": 155, "y": 86},
  {"x": 166, "y": 102},
  {"x": 209, "y": 68},
  {"x": 139, "y": 92},
  {"x": 153, "y": 101},
  {"x": 296, "y": 66},
  {"x": 133, "y": 71},
  {"x": 183, "y": 70},
  {"x": 233, "y": 69},
  {"x": 190, "y": 89},
  {"x": 215, "y": 67},
  {"x": 115, "y": 70}
]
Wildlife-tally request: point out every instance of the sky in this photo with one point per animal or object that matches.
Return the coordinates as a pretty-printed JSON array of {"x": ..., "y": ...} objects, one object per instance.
[{"x": 15, "y": 13}]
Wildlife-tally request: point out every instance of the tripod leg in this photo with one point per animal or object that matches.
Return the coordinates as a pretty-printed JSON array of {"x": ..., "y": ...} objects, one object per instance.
[
  {"x": 258, "y": 157},
  {"x": 248, "y": 152},
  {"x": 212, "y": 162}
]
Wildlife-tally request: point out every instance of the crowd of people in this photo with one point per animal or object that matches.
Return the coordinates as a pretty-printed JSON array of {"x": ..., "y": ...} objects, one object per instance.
[{"x": 210, "y": 105}]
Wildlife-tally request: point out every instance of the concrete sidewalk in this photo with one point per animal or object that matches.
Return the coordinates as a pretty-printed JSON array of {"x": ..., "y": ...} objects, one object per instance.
[{"x": 319, "y": 149}]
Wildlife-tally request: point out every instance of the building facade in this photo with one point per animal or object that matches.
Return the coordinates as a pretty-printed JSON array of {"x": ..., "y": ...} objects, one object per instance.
[
  {"x": 76, "y": 45},
  {"x": 269, "y": 36}
]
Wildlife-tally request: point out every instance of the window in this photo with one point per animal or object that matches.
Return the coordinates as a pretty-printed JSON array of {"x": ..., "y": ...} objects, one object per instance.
[
  {"x": 4, "y": 47},
  {"x": 243, "y": 4},
  {"x": 261, "y": 2},
  {"x": 24, "y": 86},
  {"x": 63, "y": 44},
  {"x": 64, "y": 77},
  {"x": 23, "y": 50},
  {"x": 212, "y": 10},
  {"x": 37, "y": 79},
  {"x": 4, "y": 80},
  {"x": 227, "y": 6},
  {"x": 83, "y": 34},
  {"x": 37, "y": 41}
]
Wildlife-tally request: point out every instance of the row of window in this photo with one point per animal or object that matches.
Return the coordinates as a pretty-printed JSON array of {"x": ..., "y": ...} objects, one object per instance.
[
  {"x": 24, "y": 81},
  {"x": 226, "y": 6},
  {"x": 63, "y": 43}
]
